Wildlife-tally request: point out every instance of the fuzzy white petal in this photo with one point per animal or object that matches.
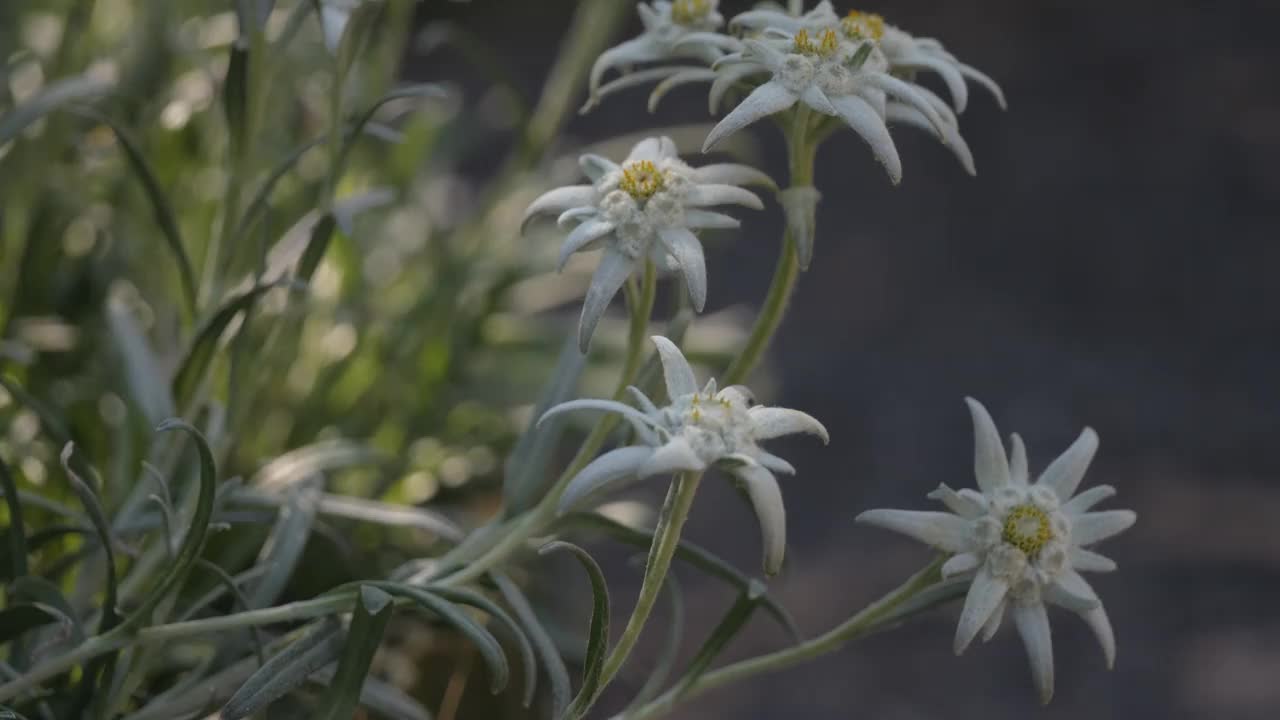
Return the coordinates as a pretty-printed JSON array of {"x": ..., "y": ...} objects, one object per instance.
[
  {"x": 727, "y": 78},
  {"x": 685, "y": 248},
  {"x": 960, "y": 564},
  {"x": 992, "y": 625},
  {"x": 675, "y": 369},
  {"x": 984, "y": 597},
  {"x": 1096, "y": 527},
  {"x": 636, "y": 50},
  {"x": 766, "y": 499},
  {"x": 676, "y": 79},
  {"x": 1090, "y": 561},
  {"x": 581, "y": 236},
  {"x": 612, "y": 406},
  {"x": 940, "y": 530},
  {"x": 1033, "y": 625},
  {"x": 772, "y": 422},
  {"x": 1100, "y": 624},
  {"x": 703, "y": 195},
  {"x": 765, "y": 100},
  {"x": 969, "y": 506},
  {"x": 899, "y": 113},
  {"x": 642, "y": 400},
  {"x": 984, "y": 80},
  {"x": 858, "y": 114},
  {"x": 1017, "y": 460},
  {"x": 673, "y": 456},
  {"x": 774, "y": 463},
  {"x": 577, "y": 214},
  {"x": 818, "y": 100},
  {"x": 732, "y": 174},
  {"x": 559, "y": 200},
  {"x": 606, "y": 471},
  {"x": 1064, "y": 474},
  {"x": 705, "y": 219},
  {"x": 596, "y": 166},
  {"x": 613, "y": 270},
  {"x": 1070, "y": 591},
  {"x": 989, "y": 462},
  {"x": 1087, "y": 499},
  {"x": 947, "y": 71},
  {"x": 908, "y": 94}
]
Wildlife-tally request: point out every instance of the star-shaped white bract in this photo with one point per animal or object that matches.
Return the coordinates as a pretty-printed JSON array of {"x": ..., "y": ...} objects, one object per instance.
[
  {"x": 1020, "y": 544},
  {"x": 696, "y": 430},
  {"x": 903, "y": 51},
  {"x": 648, "y": 207},
  {"x": 832, "y": 73},
  {"x": 666, "y": 24}
]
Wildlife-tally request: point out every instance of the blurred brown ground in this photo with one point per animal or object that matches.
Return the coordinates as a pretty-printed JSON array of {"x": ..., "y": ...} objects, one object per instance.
[{"x": 1113, "y": 264}]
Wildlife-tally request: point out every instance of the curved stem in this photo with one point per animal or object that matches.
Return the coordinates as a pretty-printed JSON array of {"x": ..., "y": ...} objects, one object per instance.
[
  {"x": 666, "y": 538},
  {"x": 801, "y": 152},
  {"x": 537, "y": 519},
  {"x": 888, "y": 609}
]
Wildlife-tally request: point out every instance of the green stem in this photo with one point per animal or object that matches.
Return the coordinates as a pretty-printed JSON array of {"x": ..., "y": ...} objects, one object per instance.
[
  {"x": 666, "y": 538},
  {"x": 801, "y": 151},
  {"x": 870, "y": 619},
  {"x": 540, "y": 516},
  {"x": 112, "y": 641}
]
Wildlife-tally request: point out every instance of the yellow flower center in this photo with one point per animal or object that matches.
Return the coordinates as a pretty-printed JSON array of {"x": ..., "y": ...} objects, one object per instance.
[
  {"x": 1026, "y": 527},
  {"x": 690, "y": 12},
  {"x": 863, "y": 25},
  {"x": 826, "y": 46},
  {"x": 641, "y": 179}
]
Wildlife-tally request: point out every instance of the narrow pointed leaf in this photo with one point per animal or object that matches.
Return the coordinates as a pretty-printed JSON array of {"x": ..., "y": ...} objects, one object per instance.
[
  {"x": 193, "y": 543},
  {"x": 543, "y": 645},
  {"x": 598, "y": 634},
  {"x": 729, "y": 625},
  {"x": 55, "y": 95},
  {"x": 666, "y": 661},
  {"x": 526, "y": 474},
  {"x": 479, "y": 601},
  {"x": 195, "y": 363},
  {"x": 165, "y": 217},
  {"x": 284, "y": 545},
  {"x": 373, "y": 610},
  {"x": 490, "y": 649},
  {"x": 17, "y": 565},
  {"x": 689, "y": 553},
  {"x": 285, "y": 671}
]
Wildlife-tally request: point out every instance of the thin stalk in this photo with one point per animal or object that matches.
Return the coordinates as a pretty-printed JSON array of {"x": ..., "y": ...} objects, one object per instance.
[
  {"x": 870, "y": 619},
  {"x": 112, "y": 641},
  {"x": 544, "y": 513},
  {"x": 666, "y": 538},
  {"x": 801, "y": 151}
]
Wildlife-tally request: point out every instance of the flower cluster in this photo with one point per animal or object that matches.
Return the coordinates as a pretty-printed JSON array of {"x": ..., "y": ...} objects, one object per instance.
[
  {"x": 694, "y": 431},
  {"x": 856, "y": 69},
  {"x": 1020, "y": 544},
  {"x": 645, "y": 209}
]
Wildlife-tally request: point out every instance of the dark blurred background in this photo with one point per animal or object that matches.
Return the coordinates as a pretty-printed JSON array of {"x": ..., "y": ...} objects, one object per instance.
[{"x": 1113, "y": 264}]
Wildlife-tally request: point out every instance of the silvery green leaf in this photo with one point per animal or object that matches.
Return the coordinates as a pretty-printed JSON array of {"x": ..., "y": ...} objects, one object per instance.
[
  {"x": 543, "y": 645},
  {"x": 800, "y": 204},
  {"x": 284, "y": 544},
  {"x": 598, "y": 635},
  {"x": 286, "y": 670},
  {"x": 373, "y": 611},
  {"x": 79, "y": 88}
]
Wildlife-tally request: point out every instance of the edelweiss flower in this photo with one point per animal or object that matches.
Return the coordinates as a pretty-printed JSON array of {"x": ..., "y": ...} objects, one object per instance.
[
  {"x": 1023, "y": 545},
  {"x": 693, "y": 432},
  {"x": 834, "y": 73},
  {"x": 902, "y": 51},
  {"x": 647, "y": 207},
  {"x": 666, "y": 24}
]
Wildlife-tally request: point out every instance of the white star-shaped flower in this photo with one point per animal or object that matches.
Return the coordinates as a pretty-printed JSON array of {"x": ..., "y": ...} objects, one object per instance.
[
  {"x": 666, "y": 24},
  {"x": 646, "y": 208},
  {"x": 696, "y": 430},
  {"x": 903, "y": 51},
  {"x": 832, "y": 73},
  {"x": 1021, "y": 544}
]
